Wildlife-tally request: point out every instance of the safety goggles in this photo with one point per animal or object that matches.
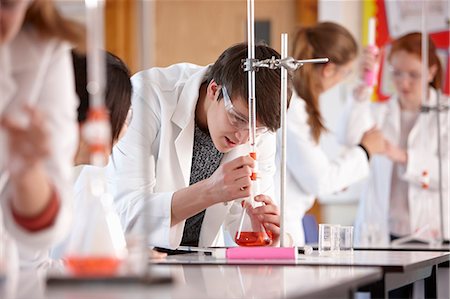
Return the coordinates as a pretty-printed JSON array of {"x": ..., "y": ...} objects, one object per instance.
[
  {"x": 399, "y": 75},
  {"x": 237, "y": 119}
]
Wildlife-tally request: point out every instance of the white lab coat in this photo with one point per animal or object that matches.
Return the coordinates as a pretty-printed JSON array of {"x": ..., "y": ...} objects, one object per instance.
[
  {"x": 309, "y": 171},
  {"x": 39, "y": 72},
  {"x": 373, "y": 211},
  {"x": 159, "y": 143}
]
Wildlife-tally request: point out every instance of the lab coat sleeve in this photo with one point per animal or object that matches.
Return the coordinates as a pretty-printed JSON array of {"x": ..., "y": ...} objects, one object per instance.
[
  {"x": 57, "y": 101},
  {"x": 266, "y": 149},
  {"x": 132, "y": 176},
  {"x": 421, "y": 159},
  {"x": 357, "y": 118},
  {"x": 312, "y": 169}
]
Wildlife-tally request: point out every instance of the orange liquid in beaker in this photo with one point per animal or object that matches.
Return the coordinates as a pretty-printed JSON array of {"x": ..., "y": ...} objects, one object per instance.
[
  {"x": 254, "y": 238},
  {"x": 93, "y": 266}
]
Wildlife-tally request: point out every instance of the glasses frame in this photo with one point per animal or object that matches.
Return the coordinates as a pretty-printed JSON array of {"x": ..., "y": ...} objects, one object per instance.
[
  {"x": 412, "y": 76},
  {"x": 235, "y": 117}
]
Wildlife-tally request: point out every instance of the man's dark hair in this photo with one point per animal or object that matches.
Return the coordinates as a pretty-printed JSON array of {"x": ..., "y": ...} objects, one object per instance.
[
  {"x": 117, "y": 93},
  {"x": 228, "y": 71}
]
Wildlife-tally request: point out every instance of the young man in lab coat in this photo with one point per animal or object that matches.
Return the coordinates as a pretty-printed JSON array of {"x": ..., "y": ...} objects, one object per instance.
[{"x": 183, "y": 165}]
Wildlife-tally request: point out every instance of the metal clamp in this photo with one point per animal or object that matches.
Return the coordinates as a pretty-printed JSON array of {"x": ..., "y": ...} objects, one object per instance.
[
  {"x": 439, "y": 108},
  {"x": 249, "y": 64},
  {"x": 292, "y": 64},
  {"x": 273, "y": 63}
]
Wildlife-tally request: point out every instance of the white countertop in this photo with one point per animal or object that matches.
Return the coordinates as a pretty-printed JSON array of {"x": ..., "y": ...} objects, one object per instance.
[
  {"x": 394, "y": 260},
  {"x": 212, "y": 281}
]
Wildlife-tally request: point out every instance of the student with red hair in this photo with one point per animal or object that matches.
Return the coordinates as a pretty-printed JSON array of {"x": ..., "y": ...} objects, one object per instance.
[{"x": 402, "y": 196}]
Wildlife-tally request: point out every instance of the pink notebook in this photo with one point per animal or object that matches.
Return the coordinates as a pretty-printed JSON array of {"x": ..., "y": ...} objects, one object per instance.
[{"x": 258, "y": 253}]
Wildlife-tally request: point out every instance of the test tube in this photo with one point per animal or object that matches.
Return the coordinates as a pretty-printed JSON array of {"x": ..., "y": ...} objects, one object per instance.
[
  {"x": 370, "y": 77},
  {"x": 97, "y": 129}
]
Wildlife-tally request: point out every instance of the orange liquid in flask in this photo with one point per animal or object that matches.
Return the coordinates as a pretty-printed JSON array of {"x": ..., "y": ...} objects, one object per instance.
[
  {"x": 254, "y": 238},
  {"x": 93, "y": 266}
]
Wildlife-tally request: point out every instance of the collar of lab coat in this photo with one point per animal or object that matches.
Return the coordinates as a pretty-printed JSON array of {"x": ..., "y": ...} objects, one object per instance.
[
  {"x": 185, "y": 110},
  {"x": 431, "y": 100},
  {"x": 395, "y": 111},
  {"x": 184, "y": 117}
]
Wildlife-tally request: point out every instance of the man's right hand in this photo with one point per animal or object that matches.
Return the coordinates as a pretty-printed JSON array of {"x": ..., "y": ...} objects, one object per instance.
[{"x": 231, "y": 180}]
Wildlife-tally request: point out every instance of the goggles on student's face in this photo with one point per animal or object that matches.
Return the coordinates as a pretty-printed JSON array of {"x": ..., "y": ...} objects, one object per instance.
[
  {"x": 399, "y": 75},
  {"x": 237, "y": 119}
]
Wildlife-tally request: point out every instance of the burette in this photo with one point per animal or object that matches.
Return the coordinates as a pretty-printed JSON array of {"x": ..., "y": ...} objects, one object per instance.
[
  {"x": 251, "y": 93},
  {"x": 251, "y": 65},
  {"x": 97, "y": 127}
]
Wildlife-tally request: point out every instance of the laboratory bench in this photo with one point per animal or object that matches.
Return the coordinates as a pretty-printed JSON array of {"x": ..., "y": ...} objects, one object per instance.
[
  {"x": 210, "y": 281},
  {"x": 204, "y": 276},
  {"x": 399, "y": 268}
]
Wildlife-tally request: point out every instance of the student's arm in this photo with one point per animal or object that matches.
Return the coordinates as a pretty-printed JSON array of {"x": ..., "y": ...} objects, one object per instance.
[
  {"x": 28, "y": 147},
  {"x": 223, "y": 185},
  {"x": 359, "y": 114},
  {"x": 357, "y": 118},
  {"x": 34, "y": 202},
  {"x": 311, "y": 168}
]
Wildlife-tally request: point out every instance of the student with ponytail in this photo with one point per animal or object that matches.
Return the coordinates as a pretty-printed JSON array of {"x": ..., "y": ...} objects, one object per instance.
[{"x": 310, "y": 173}]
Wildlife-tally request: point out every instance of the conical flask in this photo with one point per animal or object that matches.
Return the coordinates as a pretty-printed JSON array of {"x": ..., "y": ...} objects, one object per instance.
[
  {"x": 97, "y": 244},
  {"x": 251, "y": 231}
]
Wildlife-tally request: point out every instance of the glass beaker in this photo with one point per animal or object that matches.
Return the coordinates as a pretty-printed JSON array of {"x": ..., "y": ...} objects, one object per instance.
[
  {"x": 97, "y": 244},
  {"x": 346, "y": 239},
  {"x": 251, "y": 231},
  {"x": 328, "y": 239}
]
